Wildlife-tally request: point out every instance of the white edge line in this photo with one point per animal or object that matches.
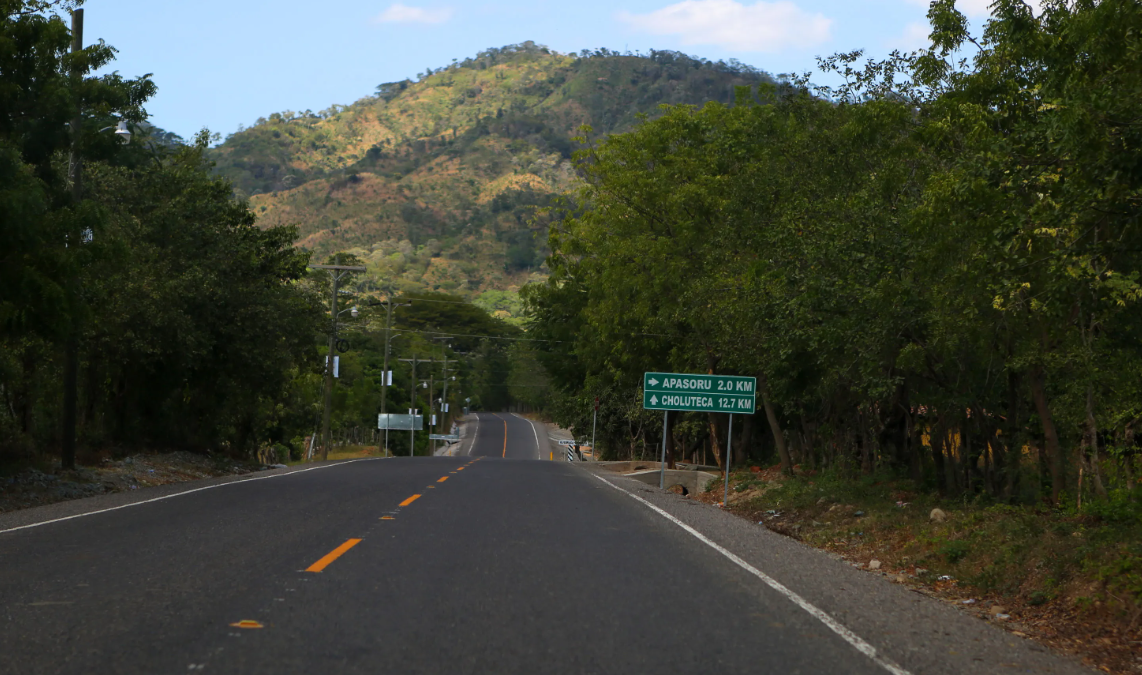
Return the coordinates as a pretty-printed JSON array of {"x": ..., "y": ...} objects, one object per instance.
[
  {"x": 847, "y": 635},
  {"x": 184, "y": 492},
  {"x": 475, "y": 434},
  {"x": 537, "y": 450}
]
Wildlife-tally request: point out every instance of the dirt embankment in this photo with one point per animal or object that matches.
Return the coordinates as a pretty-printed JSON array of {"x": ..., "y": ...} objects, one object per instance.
[
  {"x": 33, "y": 487},
  {"x": 1070, "y": 581}
]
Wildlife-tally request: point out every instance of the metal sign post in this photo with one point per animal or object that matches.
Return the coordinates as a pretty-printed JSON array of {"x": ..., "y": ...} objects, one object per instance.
[
  {"x": 729, "y": 455},
  {"x": 698, "y": 393}
]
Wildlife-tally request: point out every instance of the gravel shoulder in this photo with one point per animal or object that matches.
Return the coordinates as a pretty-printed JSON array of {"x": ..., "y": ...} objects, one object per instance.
[{"x": 921, "y": 634}]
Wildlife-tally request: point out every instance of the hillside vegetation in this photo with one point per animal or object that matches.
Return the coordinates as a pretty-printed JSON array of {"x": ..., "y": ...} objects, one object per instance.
[{"x": 434, "y": 183}]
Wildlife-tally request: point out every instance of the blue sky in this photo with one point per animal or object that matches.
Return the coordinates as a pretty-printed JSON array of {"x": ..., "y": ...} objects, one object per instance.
[{"x": 222, "y": 63}]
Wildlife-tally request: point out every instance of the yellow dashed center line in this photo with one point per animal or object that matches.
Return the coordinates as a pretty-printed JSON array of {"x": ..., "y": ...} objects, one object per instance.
[
  {"x": 410, "y": 500},
  {"x": 333, "y": 555},
  {"x": 442, "y": 479}
]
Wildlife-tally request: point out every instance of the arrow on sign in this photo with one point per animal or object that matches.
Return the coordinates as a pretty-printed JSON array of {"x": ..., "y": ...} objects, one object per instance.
[
  {"x": 653, "y": 400},
  {"x": 653, "y": 382}
]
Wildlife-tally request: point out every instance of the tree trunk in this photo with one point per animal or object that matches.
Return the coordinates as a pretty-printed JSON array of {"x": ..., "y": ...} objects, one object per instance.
[
  {"x": 951, "y": 466},
  {"x": 809, "y": 439},
  {"x": 865, "y": 444},
  {"x": 1128, "y": 455},
  {"x": 716, "y": 441},
  {"x": 915, "y": 444},
  {"x": 25, "y": 395},
  {"x": 893, "y": 438},
  {"x": 936, "y": 441},
  {"x": 1092, "y": 444},
  {"x": 746, "y": 439},
  {"x": 1051, "y": 438},
  {"x": 692, "y": 449},
  {"x": 1014, "y": 438},
  {"x": 775, "y": 426}
]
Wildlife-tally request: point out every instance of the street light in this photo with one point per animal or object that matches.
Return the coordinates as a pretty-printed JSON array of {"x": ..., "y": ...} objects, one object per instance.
[{"x": 121, "y": 132}]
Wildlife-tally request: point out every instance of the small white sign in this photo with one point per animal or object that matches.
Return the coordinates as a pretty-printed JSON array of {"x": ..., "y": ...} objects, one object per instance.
[
  {"x": 336, "y": 366},
  {"x": 445, "y": 407},
  {"x": 434, "y": 420},
  {"x": 387, "y": 377},
  {"x": 565, "y": 441}
]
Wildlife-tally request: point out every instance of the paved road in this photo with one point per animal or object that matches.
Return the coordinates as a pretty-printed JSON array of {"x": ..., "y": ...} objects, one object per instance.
[
  {"x": 474, "y": 564},
  {"x": 507, "y": 436}
]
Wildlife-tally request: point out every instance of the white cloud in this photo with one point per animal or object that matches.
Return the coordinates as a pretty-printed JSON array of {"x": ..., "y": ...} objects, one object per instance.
[
  {"x": 760, "y": 27},
  {"x": 398, "y": 13}
]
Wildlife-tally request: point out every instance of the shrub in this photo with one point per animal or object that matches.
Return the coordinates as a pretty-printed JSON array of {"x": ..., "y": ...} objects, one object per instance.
[{"x": 955, "y": 550}]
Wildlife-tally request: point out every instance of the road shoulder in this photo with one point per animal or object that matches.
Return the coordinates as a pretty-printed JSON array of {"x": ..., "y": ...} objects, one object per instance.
[
  {"x": 920, "y": 634},
  {"x": 75, "y": 508}
]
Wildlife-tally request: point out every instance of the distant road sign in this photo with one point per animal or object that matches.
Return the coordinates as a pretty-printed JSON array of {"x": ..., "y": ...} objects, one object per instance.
[
  {"x": 566, "y": 441},
  {"x": 401, "y": 422},
  {"x": 700, "y": 393},
  {"x": 444, "y": 437}
]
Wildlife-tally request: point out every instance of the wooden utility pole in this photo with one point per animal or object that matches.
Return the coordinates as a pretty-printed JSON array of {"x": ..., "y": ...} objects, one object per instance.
[
  {"x": 71, "y": 348},
  {"x": 387, "y": 376},
  {"x": 337, "y": 272},
  {"x": 412, "y": 401}
]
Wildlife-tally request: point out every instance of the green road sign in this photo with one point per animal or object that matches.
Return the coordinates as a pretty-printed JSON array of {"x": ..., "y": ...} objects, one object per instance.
[
  {"x": 701, "y": 393},
  {"x": 401, "y": 422}
]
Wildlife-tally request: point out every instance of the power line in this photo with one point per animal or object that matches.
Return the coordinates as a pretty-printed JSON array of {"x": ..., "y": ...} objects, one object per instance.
[{"x": 490, "y": 337}]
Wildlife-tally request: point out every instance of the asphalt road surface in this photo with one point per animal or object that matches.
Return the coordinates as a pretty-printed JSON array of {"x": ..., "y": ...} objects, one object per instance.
[
  {"x": 507, "y": 436},
  {"x": 495, "y": 561}
]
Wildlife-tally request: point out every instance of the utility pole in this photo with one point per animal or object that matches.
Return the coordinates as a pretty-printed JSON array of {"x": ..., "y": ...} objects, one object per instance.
[
  {"x": 71, "y": 348},
  {"x": 594, "y": 421},
  {"x": 432, "y": 402},
  {"x": 389, "y": 305},
  {"x": 412, "y": 401},
  {"x": 444, "y": 395},
  {"x": 337, "y": 272},
  {"x": 444, "y": 412}
]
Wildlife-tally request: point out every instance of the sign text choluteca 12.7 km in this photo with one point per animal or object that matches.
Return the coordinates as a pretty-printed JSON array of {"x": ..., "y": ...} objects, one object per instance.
[{"x": 701, "y": 393}]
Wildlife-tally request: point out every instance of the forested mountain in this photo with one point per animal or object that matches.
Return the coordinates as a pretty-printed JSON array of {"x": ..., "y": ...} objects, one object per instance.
[{"x": 435, "y": 182}]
